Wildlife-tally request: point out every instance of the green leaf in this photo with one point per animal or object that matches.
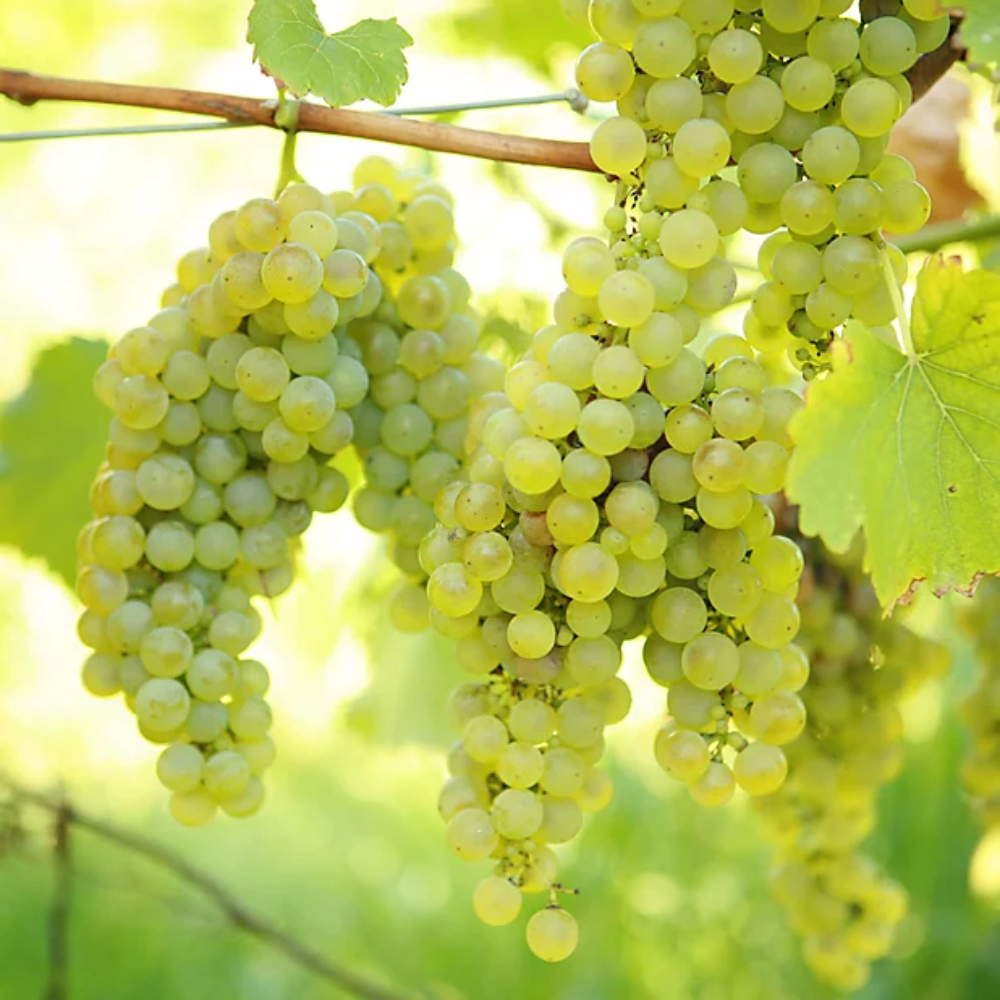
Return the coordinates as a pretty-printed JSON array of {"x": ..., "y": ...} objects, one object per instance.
[
  {"x": 51, "y": 443},
  {"x": 980, "y": 30},
  {"x": 363, "y": 62},
  {"x": 908, "y": 448}
]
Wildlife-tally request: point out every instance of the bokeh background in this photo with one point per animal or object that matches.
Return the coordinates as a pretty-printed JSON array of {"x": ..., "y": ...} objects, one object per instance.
[{"x": 349, "y": 854}]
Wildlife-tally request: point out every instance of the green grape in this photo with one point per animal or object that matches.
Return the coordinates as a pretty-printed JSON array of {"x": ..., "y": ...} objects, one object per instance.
[
  {"x": 725, "y": 203},
  {"x": 692, "y": 707},
  {"x": 626, "y": 299},
  {"x": 761, "y": 670},
  {"x": 672, "y": 102},
  {"x": 766, "y": 172},
  {"x": 429, "y": 222},
  {"x": 735, "y": 55},
  {"x": 681, "y": 754},
  {"x": 852, "y": 265},
  {"x": 142, "y": 351},
  {"x": 141, "y": 402},
  {"x": 737, "y": 414},
  {"x": 808, "y": 84},
  {"x": 755, "y": 106},
  {"x": 789, "y": 16},
  {"x": 618, "y": 146},
  {"x": 587, "y": 573},
  {"x": 344, "y": 273},
  {"x": 687, "y": 428},
  {"x": 888, "y": 46},
  {"x": 314, "y": 318},
  {"x": 827, "y": 308},
  {"x": 165, "y": 481},
  {"x": 586, "y": 264},
  {"x": 618, "y": 373},
  {"x": 860, "y": 207},
  {"x": 871, "y": 107},
  {"x": 799, "y": 267},
  {"x": 552, "y": 934},
  {"x": 604, "y": 72},
  {"x": 715, "y": 787},
  {"x": 735, "y": 591},
  {"x": 906, "y": 206},
  {"x": 719, "y": 465},
  {"x": 774, "y": 622},
  {"x": 517, "y": 813},
  {"x": 180, "y": 767},
  {"x": 315, "y": 230},
  {"x": 766, "y": 467},
  {"x": 760, "y": 769},
  {"x": 102, "y": 675},
  {"x": 679, "y": 615},
  {"x": 779, "y": 562},
  {"x": 193, "y": 808},
  {"x": 834, "y": 41},
  {"x": 669, "y": 283},
  {"x": 778, "y": 718},
  {"x": 831, "y": 155},
  {"x": 424, "y": 302},
  {"x": 292, "y": 273},
  {"x": 701, "y": 147},
  {"x": 712, "y": 286},
  {"x": 496, "y": 901},
  {"x": 688, "y": 239},
  {"x": 605, "y": 427},
  {"x": 471, "y": 834},
  {"x": 162, "y": 705},
  {"x": 668, "y": 185},
  {"x": 584, "y": 473}
]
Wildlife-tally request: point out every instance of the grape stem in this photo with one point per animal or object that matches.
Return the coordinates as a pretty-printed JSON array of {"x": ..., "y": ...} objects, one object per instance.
[
  {"x": 234, "y": 909},
  {"x": 287, "y": 117},
  {"x": 943, "y": 234},
  {"x": 29, "y": 88}
]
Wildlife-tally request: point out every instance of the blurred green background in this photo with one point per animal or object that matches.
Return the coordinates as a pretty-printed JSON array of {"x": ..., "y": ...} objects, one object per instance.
[{"x": 349, "y": 855}]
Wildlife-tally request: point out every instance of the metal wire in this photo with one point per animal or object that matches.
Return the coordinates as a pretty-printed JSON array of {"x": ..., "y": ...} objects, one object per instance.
[
  {"x": 572, "y": 97},
  {"x": 86, "y": 133}
]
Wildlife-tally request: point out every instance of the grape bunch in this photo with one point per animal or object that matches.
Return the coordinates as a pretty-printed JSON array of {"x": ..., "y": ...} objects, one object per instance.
[
  {"x": 420, "y": 351},
  {"x": 229, "y": 407},
  {"x": 837, "y": 897},
  {"x": 980, "y": 710},
  {"x": 614, "y": 487},
  {"x": 769, "y": 116}
]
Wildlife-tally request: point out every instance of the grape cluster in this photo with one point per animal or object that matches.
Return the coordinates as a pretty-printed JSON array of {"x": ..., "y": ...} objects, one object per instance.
[
  {"x": 769, "y": 116},
  {"x": 230, "y": 406},
  {"x": 837, "y": 897},
  {"x": 980, "y": 710},
  {"x": 614, "y": 487},
  {"x": 420, "y": 351}
]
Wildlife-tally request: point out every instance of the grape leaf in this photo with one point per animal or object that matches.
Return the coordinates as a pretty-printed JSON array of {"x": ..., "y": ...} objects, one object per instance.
[
  {"x": 908, "y": 448},
  {"x": 363, "y": 62},
  {"x": 980, "y": 31},
  {"x": 51, "y": 442}
]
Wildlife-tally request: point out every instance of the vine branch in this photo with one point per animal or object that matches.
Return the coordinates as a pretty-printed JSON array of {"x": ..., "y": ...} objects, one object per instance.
[
  {"x": 234, "y": 909},
  {"x": 28, "y": 88},
  {"x": 59, "y": 911}
]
